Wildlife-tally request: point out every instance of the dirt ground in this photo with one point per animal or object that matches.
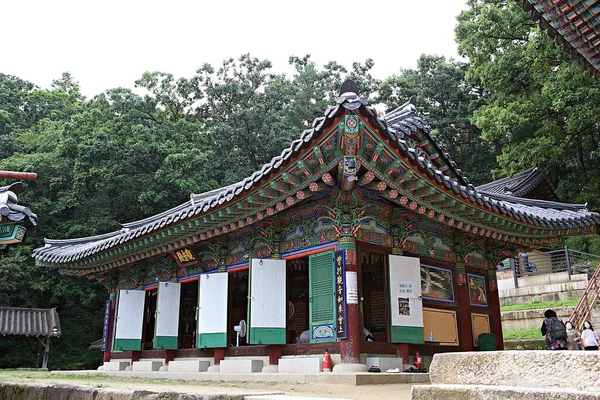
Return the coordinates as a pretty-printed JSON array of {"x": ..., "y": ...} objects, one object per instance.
[{"x": 365, "y": 392}]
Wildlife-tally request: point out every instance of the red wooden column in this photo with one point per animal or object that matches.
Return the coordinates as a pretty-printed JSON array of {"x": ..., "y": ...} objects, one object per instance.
[
  {"x": 219, "y": 355},
  {"x": 496, "y": 317},
  {"x": 350, "y": 347},
  {"x": 465, "y": 327},
  {"x": 109, "y": 325}
]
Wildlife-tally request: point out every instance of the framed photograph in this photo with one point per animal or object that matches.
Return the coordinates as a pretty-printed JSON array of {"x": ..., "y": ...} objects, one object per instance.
[
  {"x": 436, "y": 283},
  {"x": 477, "y": 293}
]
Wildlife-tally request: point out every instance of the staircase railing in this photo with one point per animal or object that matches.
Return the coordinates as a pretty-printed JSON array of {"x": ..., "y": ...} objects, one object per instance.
[{"x": 584, "y": 308}]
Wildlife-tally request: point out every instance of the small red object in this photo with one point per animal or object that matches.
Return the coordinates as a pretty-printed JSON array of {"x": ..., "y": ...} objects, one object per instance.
[
  {"x": 326, "y": 361},
  {"x": 418, "y": 363}
]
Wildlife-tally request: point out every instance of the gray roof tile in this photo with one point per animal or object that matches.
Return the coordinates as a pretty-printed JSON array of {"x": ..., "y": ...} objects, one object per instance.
[{"x": 16, "y": 321}]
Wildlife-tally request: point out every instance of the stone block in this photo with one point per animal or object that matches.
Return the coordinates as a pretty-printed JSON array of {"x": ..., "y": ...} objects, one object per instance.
[
  {"x": 349, "y": 368},
  {"x": 300, "y": 365},
  {"x": 146, "y": 366},
  {"x": 240, "y": 366},
  {"x": 384, "y": 363},
  {"x": 477, "y": 392},
  {"x": 516, "y": 368},
  {"x": 115, "y": 365},
  {"x": 188, "y": 366}
]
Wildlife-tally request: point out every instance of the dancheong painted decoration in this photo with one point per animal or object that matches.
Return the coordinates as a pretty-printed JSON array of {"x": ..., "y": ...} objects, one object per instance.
[
  {"x": 15, "y": 218},
  {"x": 362, "y": 237}
]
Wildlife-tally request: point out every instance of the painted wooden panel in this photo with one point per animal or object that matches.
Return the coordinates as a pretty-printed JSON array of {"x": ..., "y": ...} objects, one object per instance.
[
  {"x": 130, "y": 314},
  {"x": 212, "y": 310},
  {"x": 268, "y": 304},
  {"x": 443, "y": 324},
  {"x": 322, "y": 296},
  {"x": 406, "y": 305},
  {"x": 167, "y": 315},
  {"x": 480, "y": 324}
]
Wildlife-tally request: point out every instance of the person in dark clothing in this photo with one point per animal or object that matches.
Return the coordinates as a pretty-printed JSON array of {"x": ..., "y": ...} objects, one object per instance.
[{"x": 552, "y": 344}]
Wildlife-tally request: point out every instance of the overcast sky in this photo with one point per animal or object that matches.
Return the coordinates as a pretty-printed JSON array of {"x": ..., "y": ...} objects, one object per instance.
[{"x": 110, "y": 43}]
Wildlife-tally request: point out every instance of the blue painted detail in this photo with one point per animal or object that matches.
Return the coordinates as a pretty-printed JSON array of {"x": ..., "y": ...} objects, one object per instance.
[{"x": 291, "y": 253}]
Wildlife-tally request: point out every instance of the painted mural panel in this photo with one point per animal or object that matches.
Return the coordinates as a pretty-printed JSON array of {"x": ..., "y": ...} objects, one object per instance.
[
  {"x": 477, "y": 293},
  {"x": 436, "y": 283}
]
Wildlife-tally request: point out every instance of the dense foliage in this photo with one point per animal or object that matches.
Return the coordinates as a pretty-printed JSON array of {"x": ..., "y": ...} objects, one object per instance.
[{"x": 126, "y": 154}]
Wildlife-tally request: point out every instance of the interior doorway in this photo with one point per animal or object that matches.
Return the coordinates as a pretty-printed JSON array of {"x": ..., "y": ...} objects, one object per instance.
[
  {"x": 374, "y": 294},
  {"x": 187, "y": 314},
  {"x": 298, "y": 301},
  {"x": 149, "y": 319},
  {"x": 237, "y": 305}
]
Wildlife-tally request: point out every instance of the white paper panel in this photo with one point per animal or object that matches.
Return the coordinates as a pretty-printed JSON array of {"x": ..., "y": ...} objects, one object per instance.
[
  {"x": 212, "y": 303},
  {"x": 406, "y": 304},
  {"x": 130, "y": 314},
  {"x": 268, "y": 306},
  {"x": 167, "y": 309}
]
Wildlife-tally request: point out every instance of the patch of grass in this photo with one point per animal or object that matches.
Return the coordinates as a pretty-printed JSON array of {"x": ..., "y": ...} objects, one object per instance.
[
  {"x": 522, "y": 334},
  {"x": 539, "y": 305}
]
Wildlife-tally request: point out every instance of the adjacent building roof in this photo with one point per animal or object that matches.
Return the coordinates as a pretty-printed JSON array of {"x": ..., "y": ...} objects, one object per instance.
[
  {"x": 574, "y": 24},
  {"x": 523, "y": 184},
  {"x": 16, "y": 321},
  {"x": 396, "y": 127},
  {"x": 10, "y": 210}
]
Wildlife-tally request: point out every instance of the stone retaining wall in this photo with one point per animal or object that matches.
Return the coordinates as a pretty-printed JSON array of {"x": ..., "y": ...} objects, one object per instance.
[{"x": 13, "y": 391}]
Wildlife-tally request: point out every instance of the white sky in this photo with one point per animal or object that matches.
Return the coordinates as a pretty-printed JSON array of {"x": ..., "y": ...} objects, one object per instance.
[{"x": 110, "y": 43}]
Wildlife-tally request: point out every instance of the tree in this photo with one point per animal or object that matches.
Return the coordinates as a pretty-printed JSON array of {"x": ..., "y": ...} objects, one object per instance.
[{"x": 543, "y": 107}]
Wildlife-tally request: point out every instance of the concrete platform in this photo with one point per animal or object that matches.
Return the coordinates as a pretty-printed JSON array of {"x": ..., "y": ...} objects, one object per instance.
[
  {"x": 482, "y": 392},
  {"x": 349, "y": 379},
  {"x": 115, "y": 366},
  {"x": 385, "y": 363}
]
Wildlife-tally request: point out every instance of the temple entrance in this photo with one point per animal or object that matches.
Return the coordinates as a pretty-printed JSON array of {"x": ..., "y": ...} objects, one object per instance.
[
  {"x": 187, "y": 314},
  {"x": 149, "y": 319},
  {"x": 237, "y": 304},
  {"x": 298, "y": 301},
  {"x": 375, "y": 294}
]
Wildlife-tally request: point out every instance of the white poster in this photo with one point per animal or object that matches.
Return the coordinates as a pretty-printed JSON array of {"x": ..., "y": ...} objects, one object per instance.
[
  {"x": 351, "y": 288},
  {"x": 406, "y": 304}
]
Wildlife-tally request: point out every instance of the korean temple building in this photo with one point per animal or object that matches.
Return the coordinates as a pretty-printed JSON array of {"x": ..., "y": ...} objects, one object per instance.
[
  {"x": 15, "y": 218},
  {"x": 362, "y": 222}
]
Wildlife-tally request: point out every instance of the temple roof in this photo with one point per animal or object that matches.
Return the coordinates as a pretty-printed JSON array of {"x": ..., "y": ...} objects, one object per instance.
[
  {"x": 11, "y": 210},
  {"x": 403, "y": 128},
  {"x": 522, "y": 184},
  {"x": 15, "y": 321},
  {"x": 574, "y": 24}
]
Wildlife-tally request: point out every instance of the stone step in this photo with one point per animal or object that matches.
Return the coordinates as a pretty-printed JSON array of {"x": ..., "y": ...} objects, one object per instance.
[
  {"x": 436, "y": 392},
  {"x": 284, "y": 397},
  {"x": 114, "y": 366},
  {"x": 300, "y": 365},
  {"x": 188, "y": 366},
  {"x": 240, "y": 366},
  {"x": 146, "y": 366}
]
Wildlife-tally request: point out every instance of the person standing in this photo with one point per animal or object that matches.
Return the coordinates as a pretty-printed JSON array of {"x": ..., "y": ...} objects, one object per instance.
[
  {"x": 573, "y": 337},
  {"x": 555, "y": 331},
  {"x": 589, "y": 336}
]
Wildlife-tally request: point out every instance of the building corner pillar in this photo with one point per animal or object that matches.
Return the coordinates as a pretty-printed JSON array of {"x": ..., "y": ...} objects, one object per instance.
[
  {"x": 496, "y": 316},
  {"x": 465, "y": 326},
  {"x": 350, "y": 346}
]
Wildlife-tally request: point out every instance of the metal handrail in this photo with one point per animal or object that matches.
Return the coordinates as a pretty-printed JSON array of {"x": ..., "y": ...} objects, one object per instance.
[{"x": 584, "y": 307}]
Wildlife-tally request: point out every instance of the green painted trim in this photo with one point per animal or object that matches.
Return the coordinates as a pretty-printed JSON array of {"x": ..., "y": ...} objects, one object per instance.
[
  {"x": 127, "y": 344},
  {"x": 165, "y": 343},
  {"x": 408, "y": 334},
  {"x": 267, "y": 335},
  {"x": 211, "y": 340}
]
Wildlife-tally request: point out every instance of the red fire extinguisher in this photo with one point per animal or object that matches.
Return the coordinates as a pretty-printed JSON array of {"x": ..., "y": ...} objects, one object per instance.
[
  {"x": 418, "y": 363},
  {"x": 326, "y": 361}
]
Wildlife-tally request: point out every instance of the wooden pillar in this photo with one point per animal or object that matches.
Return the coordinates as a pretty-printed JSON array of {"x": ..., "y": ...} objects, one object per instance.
[
  {"x": 219, "y": 355},
  {"x": 169, "y": 356},
  {"x": 402, "y": 351},
  {"x": 465, "y": 327},
  {"x": 350, "y": 347},
  {"x": 111, "y": 323},
  {"x": 46, "y": 344},
  {"x": 135, "y": 356},
  {"x": 274, "y": 353},
  {"x": 496, "y": 317}
]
